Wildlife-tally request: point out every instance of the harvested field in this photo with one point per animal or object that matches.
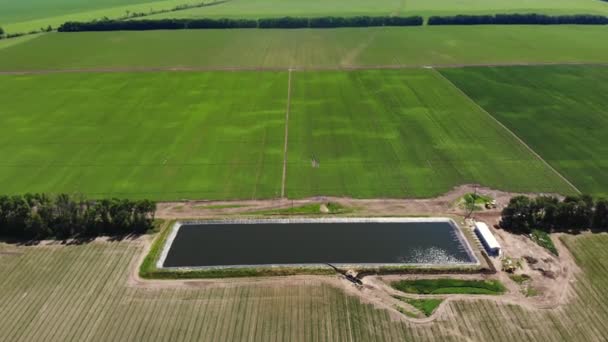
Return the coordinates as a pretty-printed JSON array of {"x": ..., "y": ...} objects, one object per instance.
[
  {"x": 394, "y": 46},
  {"x": 80, "y": 292},
  {"x": 404, "y": 133},
  {"x": 553, "y": 110},
  {"x": 153, "y": 135}
]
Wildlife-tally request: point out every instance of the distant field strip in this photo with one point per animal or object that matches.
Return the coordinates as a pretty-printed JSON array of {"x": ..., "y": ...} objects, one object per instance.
[
  {"x": 80, "y": 293},
  {"x": 560, "y": 111},
  {"x": 155, "y": 135},
  {"x": 308, "y": 48},
  {"x": 26, "y": 15},
  {"x": 405, "y": 133},
  {"x": 280, "y": 8}
]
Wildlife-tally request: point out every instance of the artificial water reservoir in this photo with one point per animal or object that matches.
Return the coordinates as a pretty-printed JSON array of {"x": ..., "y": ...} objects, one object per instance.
[{"x": 348, "y": 241}]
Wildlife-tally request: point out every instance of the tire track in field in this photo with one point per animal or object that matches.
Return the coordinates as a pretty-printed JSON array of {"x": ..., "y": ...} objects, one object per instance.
[
  {"x": 440, "y": 75},
  {"x": 293, "y": 68},
  {"x": 286, "y": 133}
]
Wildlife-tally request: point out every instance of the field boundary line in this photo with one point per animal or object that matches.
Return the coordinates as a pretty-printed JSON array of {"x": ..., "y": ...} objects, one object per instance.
[
  {"x": 286, "y": 133},
  {"x": 508, "y": 130},
  {"x": 300, "y": 68}
]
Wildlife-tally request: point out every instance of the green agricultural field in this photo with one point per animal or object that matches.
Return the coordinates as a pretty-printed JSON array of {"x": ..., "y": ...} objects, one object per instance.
[
  {"x": 4, "y": 43},
  {"x": 280, "y": 8},
  {"x": 560, "y": 111},
  {"x": 411, "y": 46},
  {"x": 17, "y": 11},
  {"x": 220, "y": 135},
  {"x": 27, "y": 15},
  {"x": 294, "y": 8},
  {"x": 81, "y": 293},
  {"x": 155, "y": 135},
  {"x": 399, "y": 133}
]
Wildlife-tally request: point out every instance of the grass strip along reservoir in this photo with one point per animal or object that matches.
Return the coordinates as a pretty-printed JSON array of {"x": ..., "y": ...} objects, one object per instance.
[{"x": 307, "y": 242}]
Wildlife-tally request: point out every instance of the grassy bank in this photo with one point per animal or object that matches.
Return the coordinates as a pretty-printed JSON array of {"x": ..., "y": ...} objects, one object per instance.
[
  {"x": 426, "y": 306},
  {"x": 449, "y": 286},
  {"x": 543, "y": 239},
  {"x": 308, "y": 209}
]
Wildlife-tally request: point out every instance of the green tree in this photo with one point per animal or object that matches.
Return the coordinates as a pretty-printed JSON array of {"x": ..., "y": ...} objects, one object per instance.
[
  {"x": 517, "y": 215},
  {"x": 600, "y": 216},
  {"x": 544, "y": 209},
  {"x": 469, "y": 204}
]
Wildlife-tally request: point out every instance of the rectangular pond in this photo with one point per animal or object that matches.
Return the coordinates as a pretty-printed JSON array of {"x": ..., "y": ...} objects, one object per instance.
[{"x": 338, "y": 241}]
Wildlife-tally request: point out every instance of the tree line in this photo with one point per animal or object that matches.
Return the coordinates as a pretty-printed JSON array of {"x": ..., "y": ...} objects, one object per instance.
[
  {"x": 549, "y": 213},
  {"x": 129, "y": 14},
  {"x": 519, "y": 19},
  {"x": 7, "y": 35},
  {"x": 225, "y": 23},
  {"x": 40, "y": 216}
]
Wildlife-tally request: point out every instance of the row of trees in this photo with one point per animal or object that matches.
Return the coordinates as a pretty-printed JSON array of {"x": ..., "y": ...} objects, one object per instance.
[
  {"x": 129, "y": 14},
  {"x": 519, "y": 19},
  {"x": 39, "y": 216},
  {"x": 4, "y": 34},
  {"x": 329, "y": 22},
  {"x": 286, "y": 22},
  {"x": 548, "y": 213}
]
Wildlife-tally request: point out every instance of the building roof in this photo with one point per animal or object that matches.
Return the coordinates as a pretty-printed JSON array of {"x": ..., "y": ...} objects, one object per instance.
[{"x": 487, "y": 235}]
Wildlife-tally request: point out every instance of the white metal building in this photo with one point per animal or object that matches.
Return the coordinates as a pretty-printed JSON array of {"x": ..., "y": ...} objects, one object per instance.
[{"x": 487, "y": 238}]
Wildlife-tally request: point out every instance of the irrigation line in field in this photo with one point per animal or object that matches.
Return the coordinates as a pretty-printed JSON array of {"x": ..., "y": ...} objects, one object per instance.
[
  {"x": 508, "y": 130},
  {"x": 286, "y": 133}
]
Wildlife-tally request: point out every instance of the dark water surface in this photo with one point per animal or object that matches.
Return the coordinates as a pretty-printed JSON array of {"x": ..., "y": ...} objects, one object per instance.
[{"x": 316, "y": 243}]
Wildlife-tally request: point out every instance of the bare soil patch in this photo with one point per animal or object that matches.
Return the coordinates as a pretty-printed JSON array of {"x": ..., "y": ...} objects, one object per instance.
[{"x": 445, "y": 204}]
